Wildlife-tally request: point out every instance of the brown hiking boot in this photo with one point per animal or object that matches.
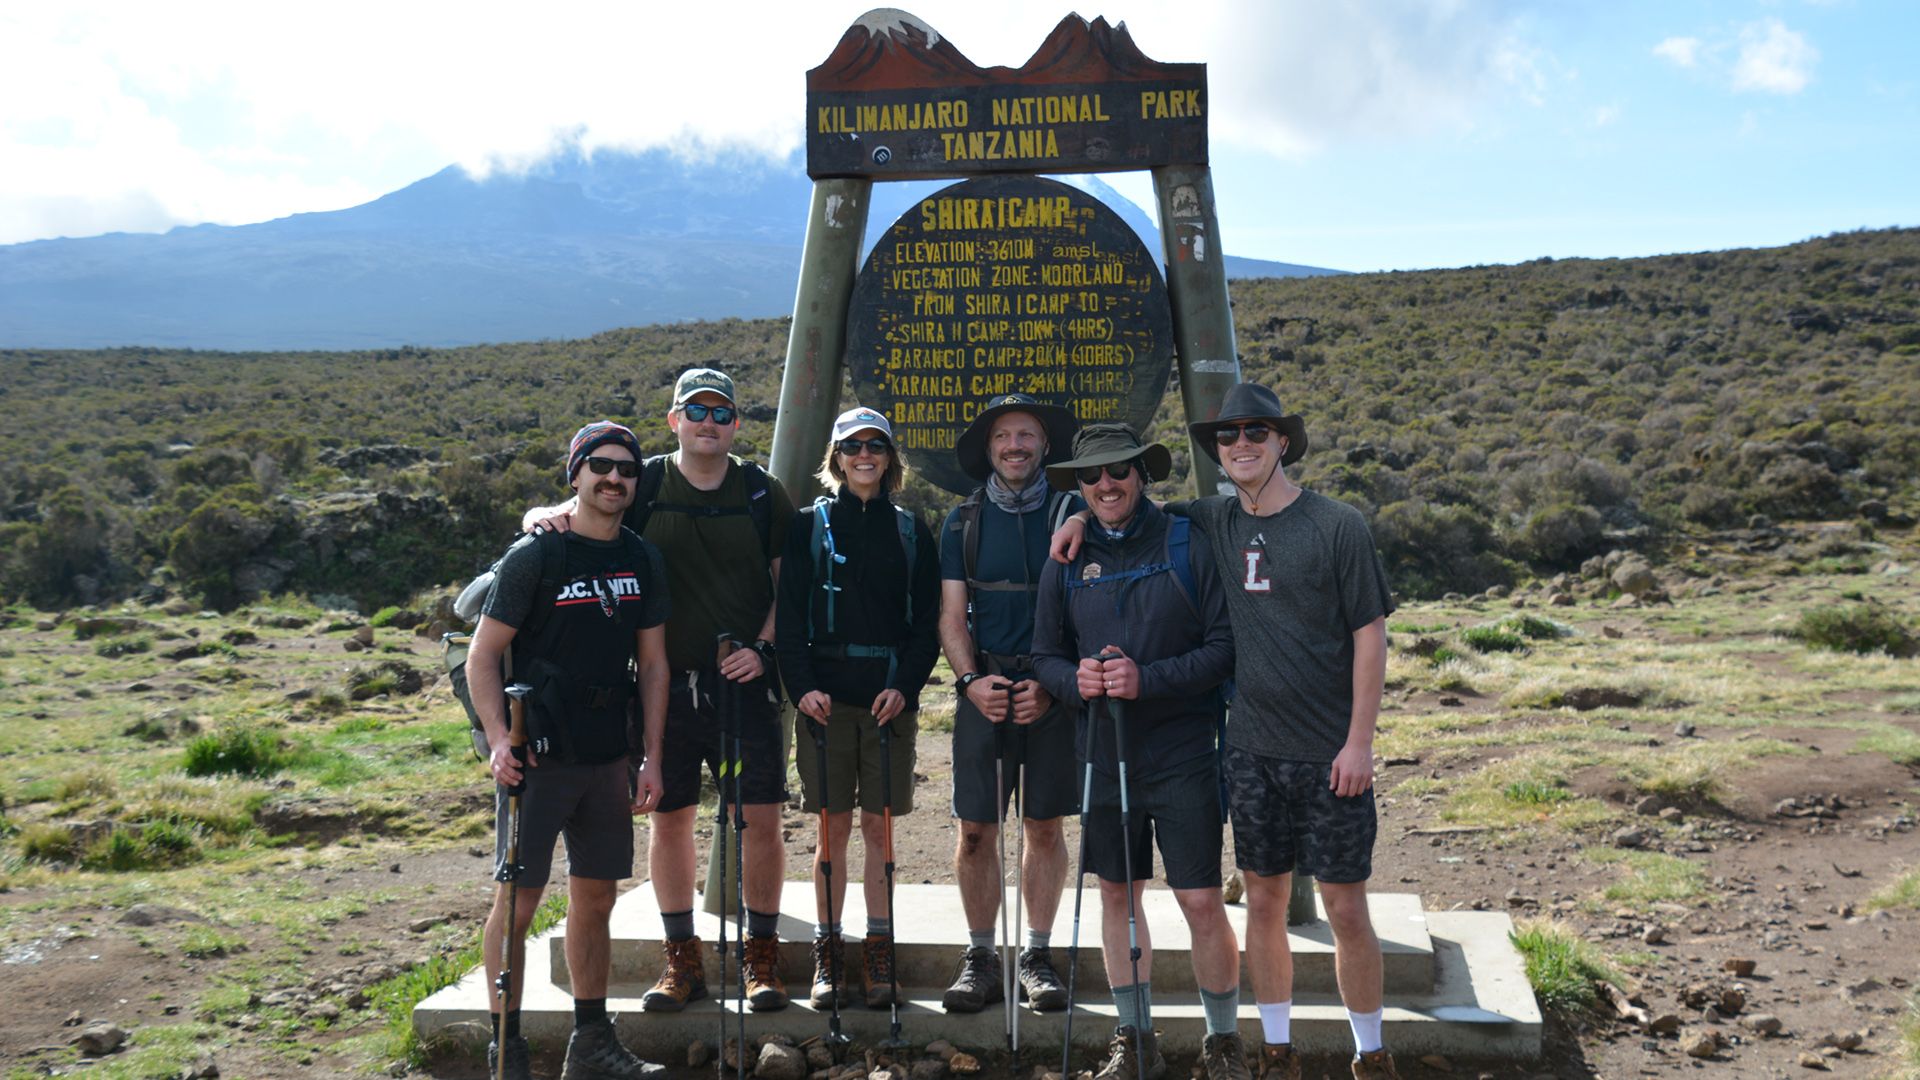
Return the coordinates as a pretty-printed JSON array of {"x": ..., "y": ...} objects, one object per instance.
[
  {"x": 765, "y": 991},
  {"x": 830, "y": 972},
  {"x": 877, "y": 960},
  {"x": 1122, "y": 1064},
  {"x": 1225, "y": 1057},
  {"x": 1279, "y": 1062},
  {"x": 1377, "y": 1065},
  {"x": 684, "y": 980}
]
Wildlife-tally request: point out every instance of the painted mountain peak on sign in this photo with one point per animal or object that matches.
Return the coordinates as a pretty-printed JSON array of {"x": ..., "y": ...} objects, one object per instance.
[{"x": 890, "y": 49}]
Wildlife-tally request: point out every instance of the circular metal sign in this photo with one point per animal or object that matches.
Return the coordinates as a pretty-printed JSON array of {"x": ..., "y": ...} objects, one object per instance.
[{"x": 999, "y": 285}]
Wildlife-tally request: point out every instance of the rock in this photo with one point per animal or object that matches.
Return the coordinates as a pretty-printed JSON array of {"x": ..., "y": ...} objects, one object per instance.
[
  {"x": 1872, "y": 510},
  {"x": 1761, "y": 1023},
  {"x": 1451, "y": 702},
  {"x": 1234, "y": 888},
  {"x": 100, "y": 1039},
  {"x": 203, "y": 1068},
  {"x": 1809, "y": 1060},
  {"x": 1700, "y": 1044},
  {"x": 363, "y": 635},
  {"x": 941, "y": 1048},
  {"x": 1866, "y": 986},
  {"x": 352, "y": 645},
  {"x": 1625, "y": 600},
  {"x": 1653, "y": 935},
  {"x": 156, "y": 915},
  {"x": 393, "y": 677},
  {"x": 421, "y": 926},
  {"x": 74, "y": 1019},
  {"x": 326, "y": 1010},
  {"x": 1560, "y": 599},
  {"x": 1629, "y": 838},
  {"x": 1683, "y": 730},
  {"x": 1741, "y": 968},
  {"x": 1436, "y": 1063},
  {"x": 932, "y": 1068},
  {"x": 1612, "y": 633},
  {"x": 1849, "y": 1040},
  {"x": 1664, "y": 1024},
  {"x": 964, "y": 1064},
  {"x": 820, "y": 1056},
  {"x": 779, "y": 1062},
  {"x": 1648, "y": 805},
  {"x": 1634, "y": 577},
  {"x": 139, "y": 688},
  {"x": 1672, "y": 815},
  {"x": 698, "y": 1054},
  {"x": 1733, "y": 1001}
]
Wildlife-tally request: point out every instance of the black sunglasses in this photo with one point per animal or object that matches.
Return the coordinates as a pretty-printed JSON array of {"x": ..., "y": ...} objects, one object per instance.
[
  {"x": 722, "y": 414},
  {"x": 1256, "y": 433},
  {"x": 1119, "y": 470},
  {"x": 601, "y": 466},
  {"x": 877, "y": 446}
]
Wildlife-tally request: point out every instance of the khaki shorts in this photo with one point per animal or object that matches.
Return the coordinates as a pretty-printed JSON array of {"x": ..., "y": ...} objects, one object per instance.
[{"x": 854, "y": 761}]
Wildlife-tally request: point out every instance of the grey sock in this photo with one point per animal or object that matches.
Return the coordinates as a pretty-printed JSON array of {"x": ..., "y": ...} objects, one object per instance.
[
  {"x": 1038, "y": 939},
  {"x": 821, "y": 929},
  {"x": 1132, "y": 1005},
  {"x": 981, "y": 939},
  {"x": 1223, "y": 1011},
  {"x": 879, "y": 927},
  {"x": 679, "y": 924},
  {"x": 763, "y": 923}
]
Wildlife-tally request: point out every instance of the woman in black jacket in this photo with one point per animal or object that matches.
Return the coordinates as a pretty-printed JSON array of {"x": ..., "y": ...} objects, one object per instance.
[{"x": 856, "y": 634}]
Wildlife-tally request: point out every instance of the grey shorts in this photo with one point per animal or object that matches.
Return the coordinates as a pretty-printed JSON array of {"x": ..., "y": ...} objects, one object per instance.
[
  {"x": 1045, "y": 747},
  {"x": 1286, "y": 818},
  {"x": 591, "y": 805},
  {"x": 1180, "y": 808}
]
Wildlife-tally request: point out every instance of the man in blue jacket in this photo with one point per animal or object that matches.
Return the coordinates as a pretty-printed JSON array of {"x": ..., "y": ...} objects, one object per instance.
[{"x": 1139, "y": 593}]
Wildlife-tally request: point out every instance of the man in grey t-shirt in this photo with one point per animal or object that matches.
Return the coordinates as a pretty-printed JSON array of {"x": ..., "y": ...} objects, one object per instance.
[{"x": 1308, "y": 601}]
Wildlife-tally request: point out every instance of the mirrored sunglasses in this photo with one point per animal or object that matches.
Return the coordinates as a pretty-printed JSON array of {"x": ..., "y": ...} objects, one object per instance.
[{"x": 722, "y": 414}]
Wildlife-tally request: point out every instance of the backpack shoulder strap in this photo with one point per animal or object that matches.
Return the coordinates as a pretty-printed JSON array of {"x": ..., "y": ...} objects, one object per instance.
[
  {"x": 969, "y": 525},
  {"x": 824, "y": 558},
  {"x": 1180, "y": 554},
  {"x": 1059, "y": 509},
  {"x": 653, "y": 473},
  {"x": 760, "y": 505},
  {"x": 553, "y": 567},
  {"x": 910, "y": 545}
]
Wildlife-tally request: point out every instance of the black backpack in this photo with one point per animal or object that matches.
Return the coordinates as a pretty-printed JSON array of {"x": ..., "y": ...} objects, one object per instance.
[{"x": 759, "y": 504}]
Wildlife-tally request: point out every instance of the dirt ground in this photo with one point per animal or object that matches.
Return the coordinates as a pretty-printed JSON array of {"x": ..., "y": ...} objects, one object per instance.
[{"x": 1792, "y": 857}]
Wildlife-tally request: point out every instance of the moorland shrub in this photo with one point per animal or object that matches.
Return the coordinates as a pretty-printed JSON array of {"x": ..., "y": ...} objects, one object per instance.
[
  {"x": 1564, "y": 969},
  {"x": 1491, "y": 639},
  {"x": 238, "y": 750},
  {"x": 1857, "y": 628}
]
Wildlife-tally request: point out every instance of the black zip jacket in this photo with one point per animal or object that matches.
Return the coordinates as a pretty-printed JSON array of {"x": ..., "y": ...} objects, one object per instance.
[{"x": 869, "y": 609}]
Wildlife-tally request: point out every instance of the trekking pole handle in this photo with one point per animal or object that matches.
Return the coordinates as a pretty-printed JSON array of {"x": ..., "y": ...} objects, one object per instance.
[{"x": 517, "y": 730}]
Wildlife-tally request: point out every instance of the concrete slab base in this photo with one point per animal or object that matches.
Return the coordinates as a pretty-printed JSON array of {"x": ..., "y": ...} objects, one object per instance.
[{"x": 1477, "y": 1001}]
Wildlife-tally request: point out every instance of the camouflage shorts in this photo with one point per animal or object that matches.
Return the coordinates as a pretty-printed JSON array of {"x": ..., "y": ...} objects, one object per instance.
[{"x": 1286, "y": 818}]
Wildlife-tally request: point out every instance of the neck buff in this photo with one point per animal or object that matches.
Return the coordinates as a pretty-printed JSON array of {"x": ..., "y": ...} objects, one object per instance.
[{"x": 1027, "y": 499}]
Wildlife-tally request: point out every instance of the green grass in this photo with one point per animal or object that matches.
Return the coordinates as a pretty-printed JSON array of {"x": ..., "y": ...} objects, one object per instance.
[
  {"x": 1910, "y": 1039},
  {"x": 1534, "y": 627},
  {"x": 1492, "y": 639},
  {"x": 396, "y": 997},
  {"x": 1899, "y": 745},
  {"x": 1902, "y": 892},
  {"x": 384, "y": 616},
  {"x": 1535, "y": 793},
  {"x": 1564, "y": 970},
  {"x": 1650, "y": 877},
  {"x": 1861, "y": 628},
  {"x": 123, "y": 646},
  {"x": 238, "y": 750},
  {"x": 206, "y": 942}
]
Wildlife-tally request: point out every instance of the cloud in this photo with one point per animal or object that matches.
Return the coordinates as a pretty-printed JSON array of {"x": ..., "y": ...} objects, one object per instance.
[
  {"x": 1773, "y": 59},
  {"x": 1682, "y": 51},
  {"x": 1606, "y": 116},
  {"x": 125, "y": 114}
]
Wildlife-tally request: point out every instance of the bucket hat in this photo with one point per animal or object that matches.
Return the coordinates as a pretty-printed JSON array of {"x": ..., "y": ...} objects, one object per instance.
[
  {"x": 1056, "y": 420},
  {"x": 1104, "y": 444}
]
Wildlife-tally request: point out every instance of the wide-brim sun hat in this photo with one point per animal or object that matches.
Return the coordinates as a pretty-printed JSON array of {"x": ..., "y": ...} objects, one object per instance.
[
  {"x": 1104, "y": 444},
  {"x": 1056, "y": 420},
  {"x": 1251, "y": 401}
]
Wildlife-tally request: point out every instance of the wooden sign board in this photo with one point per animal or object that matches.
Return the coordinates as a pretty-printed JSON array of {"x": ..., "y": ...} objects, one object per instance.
[
  {"x": 1000, "y": 285},
  {"x": 897, "y": 101}
]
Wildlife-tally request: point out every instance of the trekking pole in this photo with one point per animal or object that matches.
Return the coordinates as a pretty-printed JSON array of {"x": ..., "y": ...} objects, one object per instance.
[
  {"x": 1079, "y": 883},
  {"x": 894, "y": 1041},
  {"x": 726, "y": 702},
  {"x": 1000, "y": 877},
  {"x": 1119, "y": 714},
  {"x": 509, "y": 869},
  {"x": 1019, "y": 874},
  {"x": 836, "y": 1040}
]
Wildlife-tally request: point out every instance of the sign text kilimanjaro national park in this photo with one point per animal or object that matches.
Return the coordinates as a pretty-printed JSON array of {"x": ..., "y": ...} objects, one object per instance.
[{"x": 897, "y": 101}]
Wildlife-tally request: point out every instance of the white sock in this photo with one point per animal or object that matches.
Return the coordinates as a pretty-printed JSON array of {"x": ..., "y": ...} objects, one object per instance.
[
  {"x": 1276, "y": 1021},
  {"x": 1366, "y": 1030}
]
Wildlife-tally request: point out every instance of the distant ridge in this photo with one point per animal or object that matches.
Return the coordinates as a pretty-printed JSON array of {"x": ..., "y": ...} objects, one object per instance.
[{"x": 571, "y": 248}]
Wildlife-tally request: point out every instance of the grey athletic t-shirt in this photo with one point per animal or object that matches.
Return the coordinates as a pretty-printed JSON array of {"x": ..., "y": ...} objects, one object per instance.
[{"x": 1298, "y": 584}]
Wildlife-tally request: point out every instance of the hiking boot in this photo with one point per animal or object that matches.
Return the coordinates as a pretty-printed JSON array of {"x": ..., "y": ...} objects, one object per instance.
[
  {"x": 978, "y": 984},
  {"x": 830, "y": 972},
  {"x": 1225, "y": 1057},
  {"x": 876, "y": 957},
  {"x": 1279, "y": 1062},
  {"x": 1377, "y": 1065},
  {"x": 765, "y": 991},
  {"x": 595, "y": 1053},
  {"x": 1039, "y": 983},
  {"x": 684, "y": 980},
  {"x": 519, "y": 1062},
  {"x": 1122, "y": 1064}
]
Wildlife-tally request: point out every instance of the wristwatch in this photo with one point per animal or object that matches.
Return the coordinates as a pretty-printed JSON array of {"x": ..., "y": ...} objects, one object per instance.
[
  {"x": 968, "y": 679},
  {"x": 764, "y": 648}
]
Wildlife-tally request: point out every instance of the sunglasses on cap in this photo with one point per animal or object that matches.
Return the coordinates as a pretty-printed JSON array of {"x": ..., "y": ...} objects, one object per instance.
[
  {"x": 876, "y": 446},
  {"x": 1255, "y": 433},
  {"x": 1090, "y": 474},
  {"x": 722, "y": 414},
  {"x": 601, "y": 466}
]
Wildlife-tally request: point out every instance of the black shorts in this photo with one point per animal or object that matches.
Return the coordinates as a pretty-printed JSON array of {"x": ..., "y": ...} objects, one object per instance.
[
  {"x": 592, "y": 805},
  {"x": 1286, "y": 818},
  {"x": 693, "y": 735},
  {"x": 1053, "y": 772},
  {"x": 1180, "y": 808}
]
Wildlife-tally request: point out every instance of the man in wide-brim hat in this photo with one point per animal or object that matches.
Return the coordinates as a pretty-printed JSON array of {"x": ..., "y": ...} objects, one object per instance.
[
  {"x": 1309, "y": 601},
  {"x": 993, "y": 548},
  {"x": 1140, "y": 620}
]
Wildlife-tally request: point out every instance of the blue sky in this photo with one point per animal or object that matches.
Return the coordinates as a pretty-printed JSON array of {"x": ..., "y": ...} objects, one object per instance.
[{"x": 1362, "y": 135}]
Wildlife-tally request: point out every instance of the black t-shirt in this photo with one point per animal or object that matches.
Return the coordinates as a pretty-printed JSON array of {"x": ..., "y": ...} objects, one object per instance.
[{"x": 581, "y": 661}]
